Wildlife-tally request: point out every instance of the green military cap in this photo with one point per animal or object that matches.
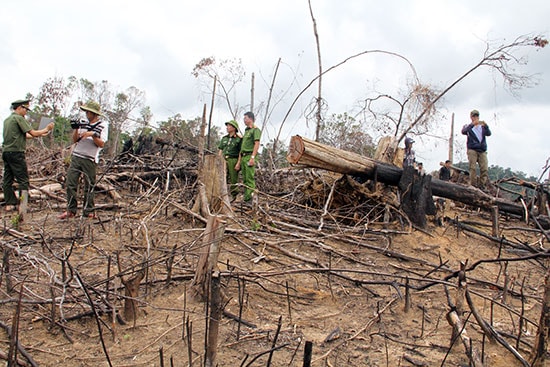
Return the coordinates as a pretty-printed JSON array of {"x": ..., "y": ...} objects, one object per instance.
[
  {"x": 233, "y": 123},
  {"x": 91, "y": 106},
  {"x": 20, "y": 102},
  {"x": 474, "y": 113}
]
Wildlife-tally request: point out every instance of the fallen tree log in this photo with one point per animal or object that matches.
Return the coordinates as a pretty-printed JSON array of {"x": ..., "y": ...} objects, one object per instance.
[{"x": 309, "y": 153}]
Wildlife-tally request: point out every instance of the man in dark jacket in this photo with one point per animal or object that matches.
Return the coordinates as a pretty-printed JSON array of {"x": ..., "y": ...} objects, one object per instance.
[{"x": 476, "y": 143}]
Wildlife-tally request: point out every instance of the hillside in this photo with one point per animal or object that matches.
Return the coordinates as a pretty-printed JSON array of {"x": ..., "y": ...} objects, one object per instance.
[{"x": 352, "y": 277}]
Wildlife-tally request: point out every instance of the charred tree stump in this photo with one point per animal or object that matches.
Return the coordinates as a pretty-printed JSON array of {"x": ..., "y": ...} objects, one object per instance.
[{"x": 416, "y": 196}]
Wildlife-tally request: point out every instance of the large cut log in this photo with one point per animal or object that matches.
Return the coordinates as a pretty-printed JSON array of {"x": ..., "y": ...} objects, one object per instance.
[{"x": 308, "y": 153}]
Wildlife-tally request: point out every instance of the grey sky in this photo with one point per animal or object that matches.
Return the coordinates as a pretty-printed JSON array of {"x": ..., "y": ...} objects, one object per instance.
[{"x": 155, "y": 45}]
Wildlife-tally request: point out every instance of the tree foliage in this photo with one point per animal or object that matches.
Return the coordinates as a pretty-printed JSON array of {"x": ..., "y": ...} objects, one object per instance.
[
  {"x": 61, "y": 99},
  {"x": 497, "y": 173},
  {"x": 344, "y": 132},
  {"x": 177, "y": 129},
  {"x": 271, "y": 158}
]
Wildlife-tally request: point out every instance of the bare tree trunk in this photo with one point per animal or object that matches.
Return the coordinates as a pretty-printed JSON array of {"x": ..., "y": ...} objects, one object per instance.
[
  {"x": 319, "y": 89},
  {"x": 201, "y": 137},
  {"x": 252, "y": 81},
  {"x": 213, "y": 196},
  {"x": 211, "y": 111},
  {"x": 212, "y": 237},
  {"x": 451, "y": 138},
  {"x": 216, "y": 309},
  {"x": 267, "y": 113}
]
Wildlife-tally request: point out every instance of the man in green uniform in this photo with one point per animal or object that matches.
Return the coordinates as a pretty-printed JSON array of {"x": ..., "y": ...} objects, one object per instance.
[
  {"x": 249, "y": 150},
  {"x": 16, "y": 132},
  {"x": 230, "y": 147}
]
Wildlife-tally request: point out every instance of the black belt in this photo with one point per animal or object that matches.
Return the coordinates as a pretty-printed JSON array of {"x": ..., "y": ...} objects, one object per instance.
[
  {"x": 246, "y": 153},
  {"x": 231, "y": 156}
]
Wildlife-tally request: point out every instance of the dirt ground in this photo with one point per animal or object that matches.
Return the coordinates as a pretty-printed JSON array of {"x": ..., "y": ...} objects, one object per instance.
[{"x": 340, "y": 287}]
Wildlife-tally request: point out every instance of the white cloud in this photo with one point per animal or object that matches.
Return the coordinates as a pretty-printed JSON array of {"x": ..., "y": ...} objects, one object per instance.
[{"x": 154, "y": 46}]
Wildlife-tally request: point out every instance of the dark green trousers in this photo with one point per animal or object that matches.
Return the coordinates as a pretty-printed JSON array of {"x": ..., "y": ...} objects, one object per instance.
[
  {"x": 232, "y": 176},
  {"x": 87, "y": 169},
  {"x": 15, "y": 168},
  {"x": 249, "y": 180}
]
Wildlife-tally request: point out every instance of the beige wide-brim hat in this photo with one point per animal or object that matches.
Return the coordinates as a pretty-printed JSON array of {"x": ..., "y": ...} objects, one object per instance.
[{"x": 91, "y": 106}]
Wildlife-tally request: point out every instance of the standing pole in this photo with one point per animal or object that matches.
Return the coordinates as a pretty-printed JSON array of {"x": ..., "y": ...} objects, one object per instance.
[
  {"x": 252, "y": 81},
  {"x": 211, "y": 111},
  {"x": 451, "y": 138}
]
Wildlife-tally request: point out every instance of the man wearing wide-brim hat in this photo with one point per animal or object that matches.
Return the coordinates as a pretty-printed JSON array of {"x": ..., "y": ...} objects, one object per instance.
[
  {"x": 89, "y": 140},
  {"x": 230, "y": 147},
  {"x": 16, "y": 132}
]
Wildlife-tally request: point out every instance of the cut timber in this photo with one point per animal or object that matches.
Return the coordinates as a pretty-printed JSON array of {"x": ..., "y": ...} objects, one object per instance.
[{"x": 308, "y": 153}]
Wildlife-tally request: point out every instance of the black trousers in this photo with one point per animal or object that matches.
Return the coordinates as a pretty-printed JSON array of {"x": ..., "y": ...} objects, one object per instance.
[{"x": 15, "y": 168}]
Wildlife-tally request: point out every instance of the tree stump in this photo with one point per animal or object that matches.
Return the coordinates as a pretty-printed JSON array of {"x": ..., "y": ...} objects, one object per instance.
[
  {"x": 416, "y": 196},
  {"x": 214, "y": 194},
  {"x": 388, "y": 152},
  {"x": 213, "y": 234},
  {"x": 131, "y": 292}
]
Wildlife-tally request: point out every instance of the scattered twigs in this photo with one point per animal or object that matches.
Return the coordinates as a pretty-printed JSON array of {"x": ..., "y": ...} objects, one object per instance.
[
  {"x": 20, "y": 348},
  {"x": 275, "y": 337},
  {"x": 466, "y": 227},
  {"x": 370, "y": 322},
  {"x": 96, "y": 315},
  {"x": 327, "y": 205},
  {"x": 459, "y": 331},
  {"x": 491, "y": 332}
]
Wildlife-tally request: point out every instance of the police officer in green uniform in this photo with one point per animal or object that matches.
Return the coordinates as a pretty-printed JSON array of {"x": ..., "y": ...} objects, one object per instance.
[
  {"x": 249, "y": 150},
  {"x": 230, "y": 147},
  {"x": 16, "y": 132}
]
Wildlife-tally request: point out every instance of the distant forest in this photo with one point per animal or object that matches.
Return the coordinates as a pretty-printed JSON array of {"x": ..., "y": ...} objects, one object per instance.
[{"x": 497, "y": 173}]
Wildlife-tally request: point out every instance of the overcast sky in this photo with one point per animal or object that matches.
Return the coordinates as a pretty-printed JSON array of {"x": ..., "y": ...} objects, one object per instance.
[{"x": 154, "y": 46}]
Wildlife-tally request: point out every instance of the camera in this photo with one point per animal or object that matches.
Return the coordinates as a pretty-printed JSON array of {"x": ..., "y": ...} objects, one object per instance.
[{"x": 78, "y": 124}]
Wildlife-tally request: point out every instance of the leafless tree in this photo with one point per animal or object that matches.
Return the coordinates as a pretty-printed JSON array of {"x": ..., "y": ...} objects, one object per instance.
[{"x": 227, "y": 74}]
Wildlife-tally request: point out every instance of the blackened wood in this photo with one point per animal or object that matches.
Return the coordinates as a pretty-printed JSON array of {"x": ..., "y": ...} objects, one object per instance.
[
  {"x": 416, "y": 199},
  {"x": 307, "y": 354}
]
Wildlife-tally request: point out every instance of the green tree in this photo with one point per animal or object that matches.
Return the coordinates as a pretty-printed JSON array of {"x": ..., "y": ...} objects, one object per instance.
[
  {"x": 178, "y": 130},
  {"x": 267, "y": 155},
  {"x": 344, "y": 132}
]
